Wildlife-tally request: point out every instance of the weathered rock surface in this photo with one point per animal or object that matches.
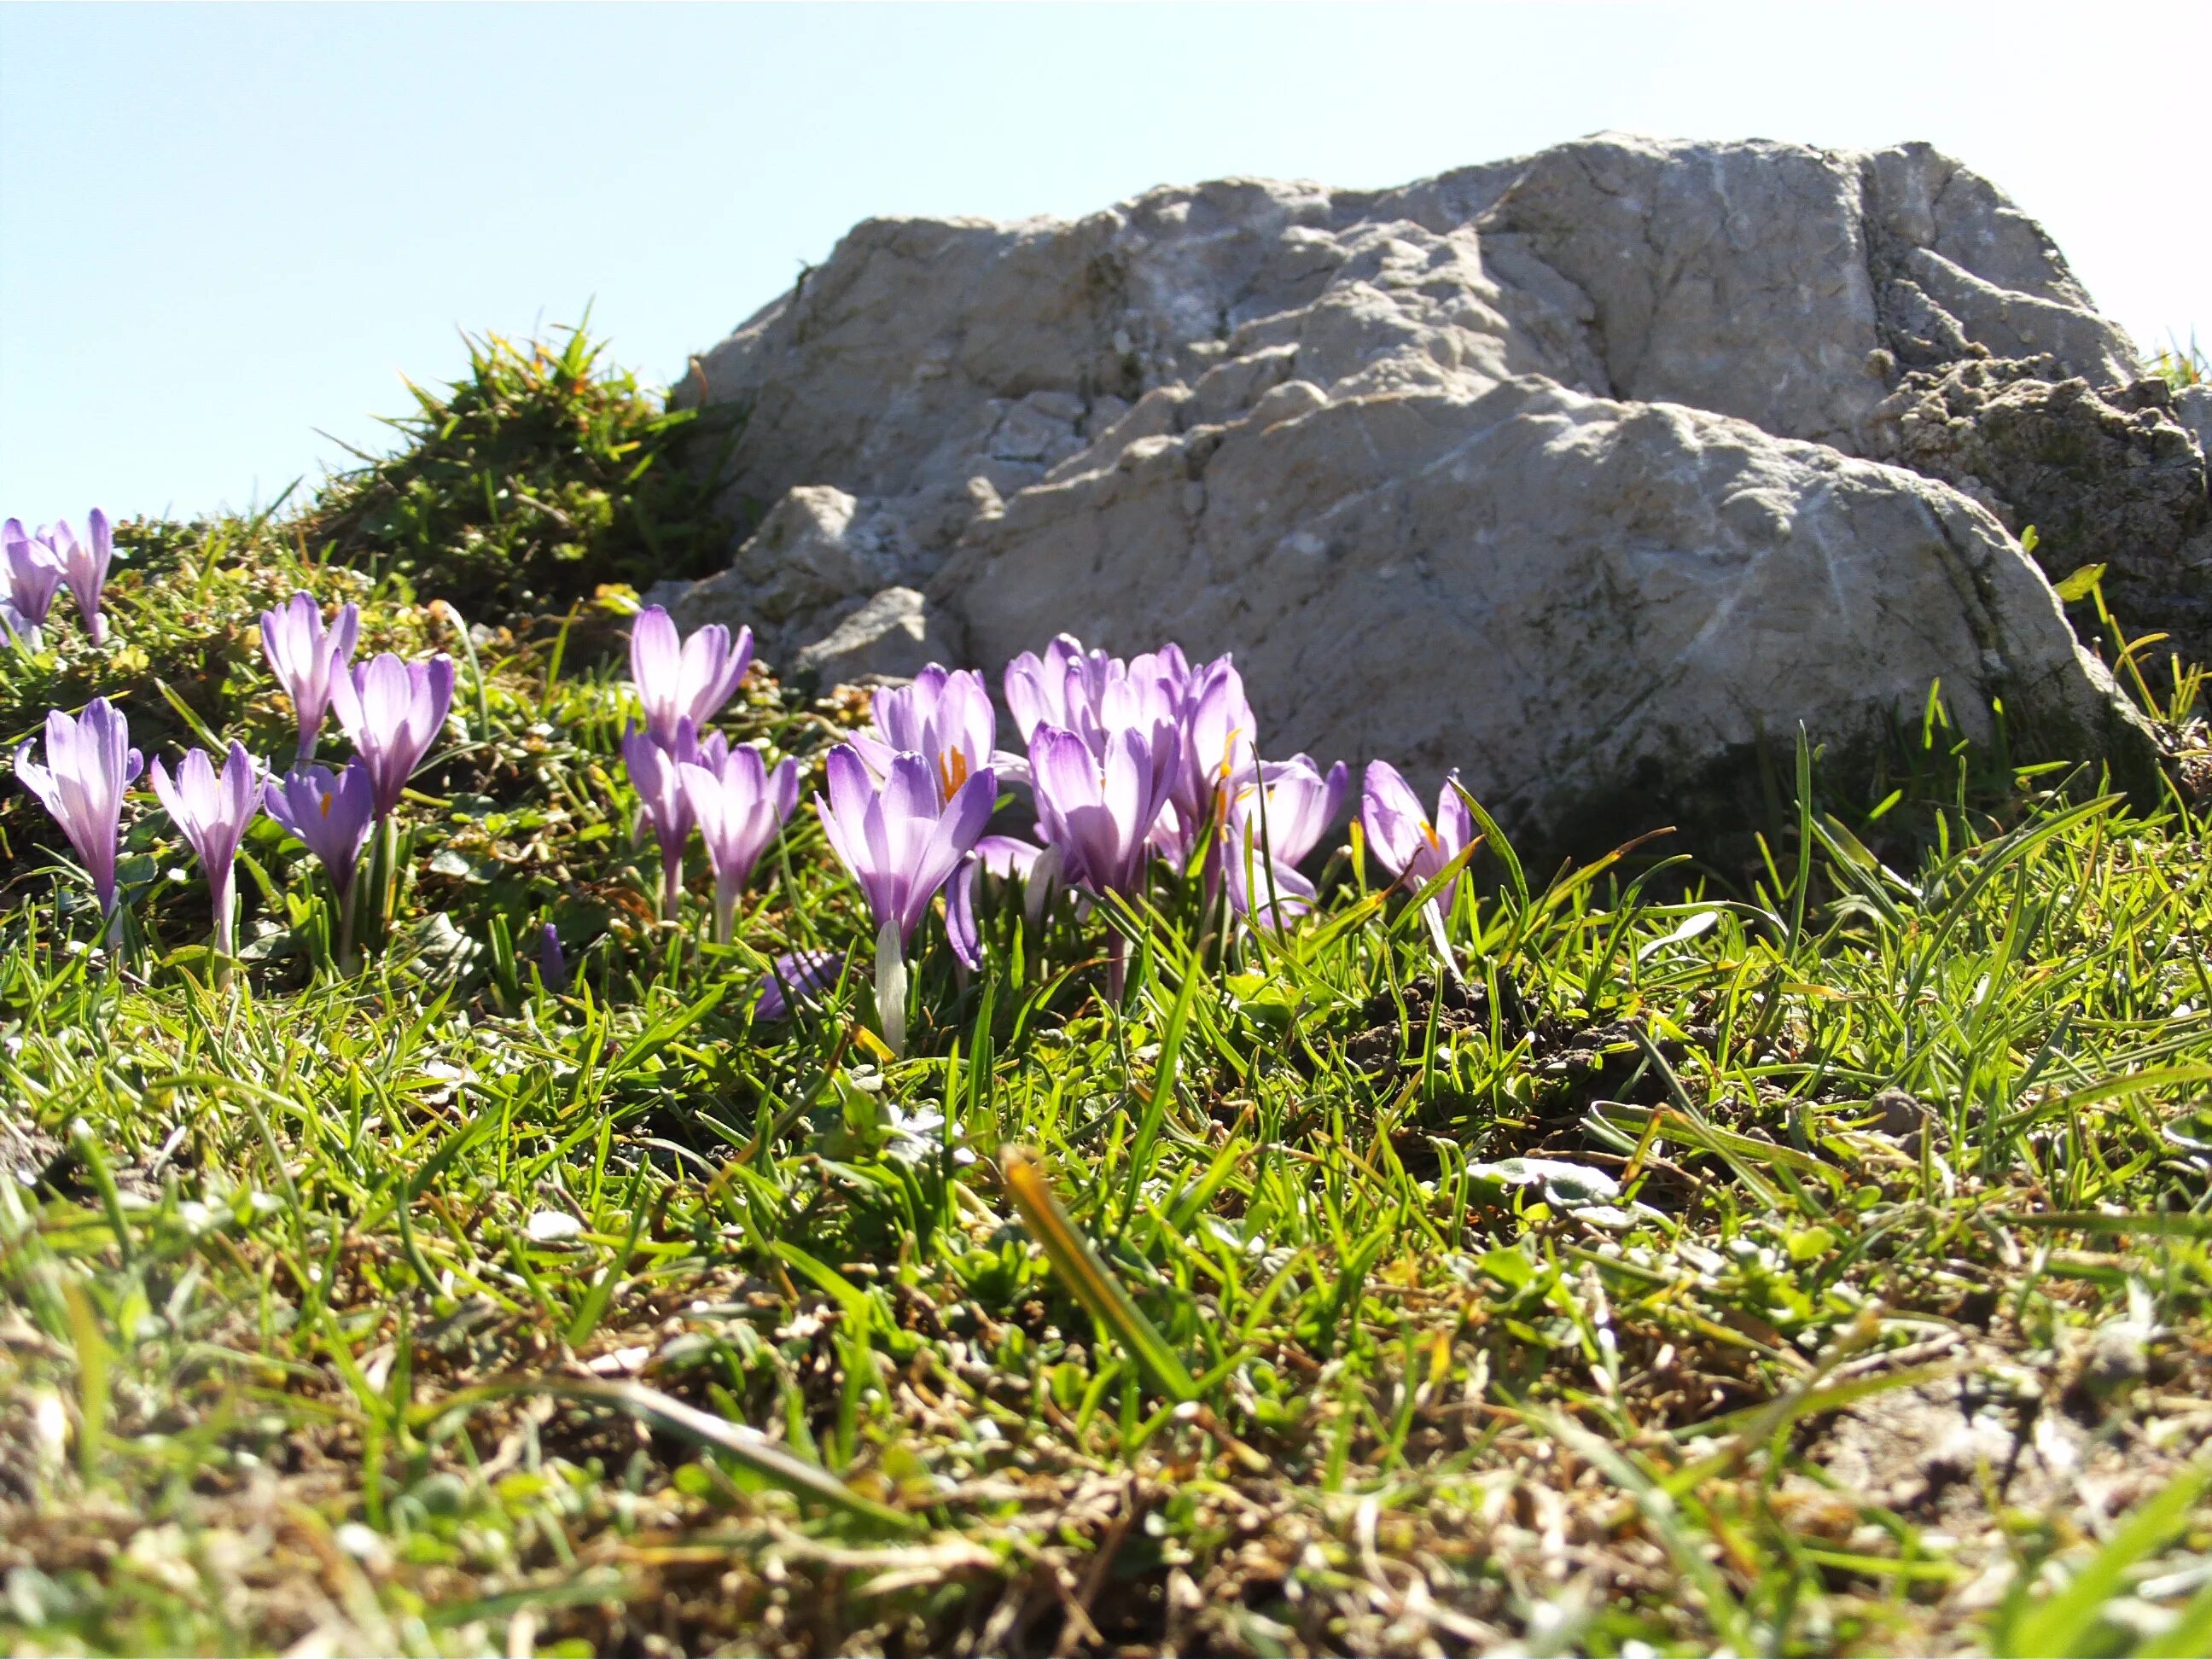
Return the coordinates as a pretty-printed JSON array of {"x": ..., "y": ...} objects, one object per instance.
[
  {"x": 1596, "y": 608},
  {"x": 1562, "y": 468},
  {"x": 2113, "y": 479}
]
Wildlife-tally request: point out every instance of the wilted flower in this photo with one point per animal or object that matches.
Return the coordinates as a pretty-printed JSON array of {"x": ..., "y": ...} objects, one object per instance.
[
  {"x": 89, "y": 763},
  {"x": 393, "y": 711},
  {"x": 211, "y": 810},
  {"x": 900, "y": 844},
  {"x": 679, "y": 679},
  {"x": 36, "y": 567},
  {"x": 84, "y": 567},
  {"x": 801, "y": 973},
  {"x": 308, "y": 660},
  {"x": 331, "y": 813},
  {"x": 739, "y": 805}
]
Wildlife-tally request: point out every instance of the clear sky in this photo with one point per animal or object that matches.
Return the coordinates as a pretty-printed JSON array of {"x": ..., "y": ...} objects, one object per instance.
[{"x": 222, "y": 228}]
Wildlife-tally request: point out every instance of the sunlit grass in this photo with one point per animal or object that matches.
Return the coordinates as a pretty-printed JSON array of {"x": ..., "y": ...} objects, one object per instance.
[{"x": 1680, "y": 1279}]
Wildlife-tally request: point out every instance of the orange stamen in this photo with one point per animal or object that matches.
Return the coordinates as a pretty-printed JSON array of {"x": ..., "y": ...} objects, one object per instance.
[{"x": 952, "y": 771}]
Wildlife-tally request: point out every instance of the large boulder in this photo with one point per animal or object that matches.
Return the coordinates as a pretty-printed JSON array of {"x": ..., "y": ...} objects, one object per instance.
[{"x": 1566, "y": 470}]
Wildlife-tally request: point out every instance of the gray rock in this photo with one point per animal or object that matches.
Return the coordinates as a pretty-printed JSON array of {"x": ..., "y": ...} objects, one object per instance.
[
  {"x": 2193, "y": 407},
  {"x": 2111, "y": 479},
  {"x": 890, "y": 636},
  {"x": 1451, "y": 467},
  {"x": 1598, "y": 610}
]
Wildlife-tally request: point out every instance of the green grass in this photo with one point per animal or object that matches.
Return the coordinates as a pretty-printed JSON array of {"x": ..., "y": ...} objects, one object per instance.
[
  {"x": 531, "y": 480},
  {"x": 1805, "y": 1259}
]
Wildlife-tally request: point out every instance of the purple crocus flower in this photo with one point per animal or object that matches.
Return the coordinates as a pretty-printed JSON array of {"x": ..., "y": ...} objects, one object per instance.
[
  {"x": 308, "y": 660},
  {"x": 945, "y": 717},
  {"x": 331, "y": 813},
  {"x": 36, "y": 567},
  {"x": 552, "y": 962},
  {"x": 393, "y": 711},
  {"x": 679, "y": 679},
  {"x": 900, "y": 844},
  {"x": 211, "y": 810},
  {"x": 739, "y": 805},
  {"x": 1275, "y": 818},
  {"x": 1098, "y": 808},
  {"x": 1219, "y": 738},
  {"x": 654, "y": 770},
  {"x": 89, "y": 763},
  {"x": 84, "y": 567},
  {"x": 1415, "y": 849}
]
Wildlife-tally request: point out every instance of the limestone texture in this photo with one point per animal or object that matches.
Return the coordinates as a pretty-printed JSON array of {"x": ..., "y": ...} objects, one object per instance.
[{"x": 1588, "y": 473}]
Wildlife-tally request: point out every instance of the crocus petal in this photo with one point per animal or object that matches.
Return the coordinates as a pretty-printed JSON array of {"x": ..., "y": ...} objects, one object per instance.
[
  {"x": 960, "y": 929},
  {"x": 798, "y": 975},
  {"x": 1391, "y": 814},
  {"x": 951, "y": 839},
  {"x": 1455, "y": 824}
]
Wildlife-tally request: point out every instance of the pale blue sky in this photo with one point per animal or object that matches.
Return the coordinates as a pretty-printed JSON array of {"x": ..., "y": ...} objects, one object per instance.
[{"x": 223, "y": 227}]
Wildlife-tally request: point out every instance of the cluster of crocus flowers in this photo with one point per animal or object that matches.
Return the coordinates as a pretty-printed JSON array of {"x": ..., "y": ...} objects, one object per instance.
[
  {"x": 690, "y": 778},
  {"x": 1127, "y": 762},
  {"x": 39, "y": 563},
  {"x": 391, "y": 710}
]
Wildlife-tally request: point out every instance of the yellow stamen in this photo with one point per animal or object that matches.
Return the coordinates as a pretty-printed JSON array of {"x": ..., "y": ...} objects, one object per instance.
[
  {"x": 1430, "y": 830},
  {"x": 327, "y": 806}
]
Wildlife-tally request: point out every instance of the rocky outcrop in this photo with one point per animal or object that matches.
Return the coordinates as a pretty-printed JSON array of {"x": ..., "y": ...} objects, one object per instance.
[
  {"x": 2111, "y": 479},
  {"x": 1596, "y": 610},
  {"x": 1567, "y": 469}
]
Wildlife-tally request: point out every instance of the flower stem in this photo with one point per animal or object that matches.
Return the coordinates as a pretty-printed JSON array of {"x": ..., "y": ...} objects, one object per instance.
[
  {"x": 384, "y": 878},
  {"x": 891, "y": 988},
  {"x": 725, "y": 909},
  {"x": 222, "y": 890},
  {"x": 1117, "y": 967},
  {"x": 672, "y": 884},
  {"x": 349, "y": 897}
]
